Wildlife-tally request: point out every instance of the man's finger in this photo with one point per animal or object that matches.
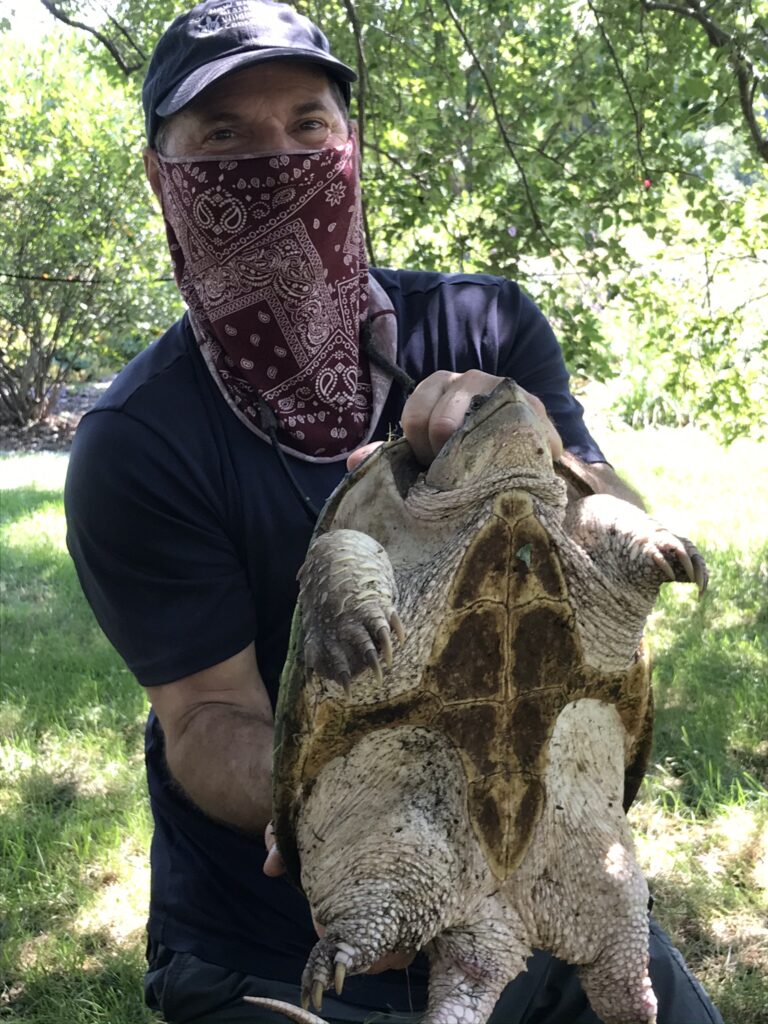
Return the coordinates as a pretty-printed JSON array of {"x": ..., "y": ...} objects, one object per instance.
[
  {"x": 273, "y": 865},
  {"x": 555, "y": 441},
  {"x": 356, "y": 457},
  {"x": 418, "y": 410},
  {"x": 451, "y": 408}
]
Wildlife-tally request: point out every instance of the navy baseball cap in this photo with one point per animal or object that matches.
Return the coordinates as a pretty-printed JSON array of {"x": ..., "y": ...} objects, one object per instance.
[{"x": 221, "y": 36}]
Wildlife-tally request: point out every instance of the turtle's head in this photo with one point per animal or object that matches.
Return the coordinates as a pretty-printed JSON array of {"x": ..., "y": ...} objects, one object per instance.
[{"x": 501, "y": 432}]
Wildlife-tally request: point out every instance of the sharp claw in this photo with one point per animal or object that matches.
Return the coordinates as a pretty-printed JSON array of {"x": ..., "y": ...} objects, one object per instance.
[
  {"x": 317, "y": 995},
  {"x": 397, "y": 627},
  {"x": 305, "y": 998},
  {"x": 687, "y": 564},
  {"x": 700, "y": 576},
  {"x": 338, "y": 978},
  {"x": 664, "y": 565},
  {"x": 372, "y": 660},
  {"x": 385, "y": 646}
]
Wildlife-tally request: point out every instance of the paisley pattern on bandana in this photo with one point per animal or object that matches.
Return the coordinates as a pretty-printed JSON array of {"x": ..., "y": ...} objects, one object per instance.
[{"x": 268, "y": 253}]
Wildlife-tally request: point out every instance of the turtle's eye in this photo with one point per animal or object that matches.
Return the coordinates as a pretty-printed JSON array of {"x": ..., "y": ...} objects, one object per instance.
[{"x": 476, "y": 402}]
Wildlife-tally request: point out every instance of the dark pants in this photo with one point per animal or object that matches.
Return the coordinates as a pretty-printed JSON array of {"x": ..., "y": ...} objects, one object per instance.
[{"x": 187, "y": 990}]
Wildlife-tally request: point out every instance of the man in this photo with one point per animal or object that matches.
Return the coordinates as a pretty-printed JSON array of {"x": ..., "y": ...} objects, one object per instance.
[{"x": 192, "y": 486}]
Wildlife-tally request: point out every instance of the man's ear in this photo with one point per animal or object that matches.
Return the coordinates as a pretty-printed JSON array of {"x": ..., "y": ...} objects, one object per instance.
[{"x": 152, "y": 170}]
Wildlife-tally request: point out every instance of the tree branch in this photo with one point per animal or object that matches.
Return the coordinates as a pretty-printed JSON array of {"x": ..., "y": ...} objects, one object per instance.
[
  {"x": 747, "y": 78},
  {"x": 538, "y": 223},
  {"x": 362, "y": 93},
  {"x": 60, "y": 15},
  {"x": 625, "y": 85},
  {"x": 128, "y": 36},
  {"x": 47, "y": 279}
]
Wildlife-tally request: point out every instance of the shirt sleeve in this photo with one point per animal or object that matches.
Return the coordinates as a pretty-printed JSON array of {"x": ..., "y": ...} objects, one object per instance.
[
  {"x": 531, "y": 355},
  {"x": 149, "y": 541}
]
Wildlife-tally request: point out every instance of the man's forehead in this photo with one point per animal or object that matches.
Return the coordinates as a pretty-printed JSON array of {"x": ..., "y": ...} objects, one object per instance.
[{"x": 295, "y": 81}]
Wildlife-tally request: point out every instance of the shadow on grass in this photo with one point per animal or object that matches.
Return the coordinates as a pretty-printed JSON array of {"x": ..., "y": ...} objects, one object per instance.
[
  {"x": 54, "y": 844},
  {"x": 734, "y": 971},
  {"x": 58, "y": 667},
  {"x": 709, "y": 679},
  {"x": 103, "y": 987},
  {"x": 18, "y": 503}
]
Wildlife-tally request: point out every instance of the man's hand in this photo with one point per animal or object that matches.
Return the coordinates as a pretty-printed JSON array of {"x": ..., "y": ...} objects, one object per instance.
[
  {"x": 274, "y": 867},
  {"x": 437, "y": 408}
]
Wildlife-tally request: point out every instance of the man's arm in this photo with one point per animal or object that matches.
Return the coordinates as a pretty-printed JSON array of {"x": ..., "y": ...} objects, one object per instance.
[{"x": 218, "y": 740}]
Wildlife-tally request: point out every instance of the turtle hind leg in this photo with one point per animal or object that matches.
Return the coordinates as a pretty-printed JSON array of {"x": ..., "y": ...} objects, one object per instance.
[
  {"x": 351, "y": 946},
  {"x": 617, "y": 983},
  {"x": 589, "y": 896},
  {"x": 469, "y": 969}
]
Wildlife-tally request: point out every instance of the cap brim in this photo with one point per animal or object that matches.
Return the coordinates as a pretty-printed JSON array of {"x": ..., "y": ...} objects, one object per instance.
[{"x": 194, "y": 84}]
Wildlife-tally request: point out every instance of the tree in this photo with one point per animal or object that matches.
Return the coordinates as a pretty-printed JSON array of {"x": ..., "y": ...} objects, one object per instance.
[
  {"x": 81, "y": 246},
  {"x": 609, "y": 154}
]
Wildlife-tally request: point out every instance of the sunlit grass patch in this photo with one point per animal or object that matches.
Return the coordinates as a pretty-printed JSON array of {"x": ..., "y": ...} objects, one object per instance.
[
  {"x": 708, "y": 879},
  {"x": 74, "y": 821},
  {"x": 702, "y": 818},
  {"x": 696, "y": 487}
]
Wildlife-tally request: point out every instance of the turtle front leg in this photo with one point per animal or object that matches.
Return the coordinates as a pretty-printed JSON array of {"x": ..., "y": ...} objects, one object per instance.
[
  {"x": 616, "y": 533},
  {"x": 347, "y": 604}
]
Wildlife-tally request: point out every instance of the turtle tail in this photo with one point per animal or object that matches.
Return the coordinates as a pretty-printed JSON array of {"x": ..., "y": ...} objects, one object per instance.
[{"x": 295, "y": 1013}]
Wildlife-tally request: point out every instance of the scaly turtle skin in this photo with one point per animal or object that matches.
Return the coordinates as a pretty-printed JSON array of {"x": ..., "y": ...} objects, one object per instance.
[{"x": 466, "y": 797}]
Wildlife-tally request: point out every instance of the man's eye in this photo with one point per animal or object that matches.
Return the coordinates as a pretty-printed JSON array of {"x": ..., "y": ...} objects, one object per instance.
[
  {"x": 221, "y": 134},
  {"x": 311, "y": 126}
]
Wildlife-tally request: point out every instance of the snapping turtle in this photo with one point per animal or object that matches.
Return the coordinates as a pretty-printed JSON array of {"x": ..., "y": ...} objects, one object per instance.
[{"x": 464, "y": 699}]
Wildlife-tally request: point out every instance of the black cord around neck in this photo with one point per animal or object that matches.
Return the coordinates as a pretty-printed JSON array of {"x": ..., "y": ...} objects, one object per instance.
[{"x": 270, "y": 425}]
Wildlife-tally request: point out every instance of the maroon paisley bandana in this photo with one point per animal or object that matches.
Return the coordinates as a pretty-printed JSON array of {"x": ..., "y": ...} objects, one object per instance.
[{"x": 268, "y": 253}]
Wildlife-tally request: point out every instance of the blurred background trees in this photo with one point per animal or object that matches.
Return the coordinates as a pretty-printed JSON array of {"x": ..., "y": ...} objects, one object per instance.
[{"x": 611, "y": 155}]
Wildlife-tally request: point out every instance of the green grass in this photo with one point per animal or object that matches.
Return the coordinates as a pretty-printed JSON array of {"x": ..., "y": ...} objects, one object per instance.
[
  {"x": 702, "y": 820},
  {"x": 74, "y": 829}
]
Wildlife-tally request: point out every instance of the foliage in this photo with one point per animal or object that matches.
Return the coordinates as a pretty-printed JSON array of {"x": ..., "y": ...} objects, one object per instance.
[
  {"x": 598, "y": 151},
  {"x": 80, "y": 245}
]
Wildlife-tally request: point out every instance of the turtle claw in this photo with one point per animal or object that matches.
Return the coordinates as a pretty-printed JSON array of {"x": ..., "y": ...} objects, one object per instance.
[
  {"x": 317, "y": 994},
  {"x": 397, "y": 627},
  {"x": 385, "y": 646},
  {"x": 304, "y": 999},
  {"x": 700, "y": 574},
  {"x": 372, "y": 660},
  {"x": 338, "y": 978},
  {"x": 664, "y": 565},
  {"x": 678, "y": 560}
]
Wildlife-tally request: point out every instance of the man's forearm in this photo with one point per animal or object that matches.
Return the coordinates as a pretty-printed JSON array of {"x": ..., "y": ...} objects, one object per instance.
[{"x": 223, "y": 761}]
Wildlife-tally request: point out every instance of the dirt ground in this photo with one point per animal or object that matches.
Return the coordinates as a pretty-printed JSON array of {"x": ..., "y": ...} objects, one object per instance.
[{"x": 55, "y": 433}]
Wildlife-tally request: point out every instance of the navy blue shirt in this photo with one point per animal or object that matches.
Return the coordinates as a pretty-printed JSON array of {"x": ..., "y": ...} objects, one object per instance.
[{"x": 187, "y": 540}]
